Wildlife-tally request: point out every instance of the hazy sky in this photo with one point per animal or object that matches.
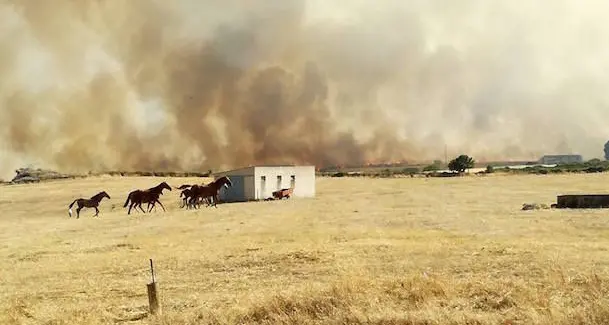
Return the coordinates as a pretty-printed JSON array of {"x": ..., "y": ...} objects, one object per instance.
[{"x": 208, "y": 84}]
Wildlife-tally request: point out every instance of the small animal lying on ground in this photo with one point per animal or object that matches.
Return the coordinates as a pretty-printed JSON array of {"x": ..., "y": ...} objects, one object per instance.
[
  {"x": 537, "y": 206},
  {"x": 283, "y": 193}
]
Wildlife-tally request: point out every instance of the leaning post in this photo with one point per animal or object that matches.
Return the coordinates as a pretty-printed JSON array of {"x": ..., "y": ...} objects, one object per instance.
[{"x": 153, "y": 299}]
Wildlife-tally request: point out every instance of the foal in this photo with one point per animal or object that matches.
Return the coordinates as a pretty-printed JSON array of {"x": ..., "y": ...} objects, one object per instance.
[{"x": 93, "y": 202}]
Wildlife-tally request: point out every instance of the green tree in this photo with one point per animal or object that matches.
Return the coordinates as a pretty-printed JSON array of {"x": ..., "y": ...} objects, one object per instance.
[
  {"x": 607, "y": 150},
  {"x": 461, "y": 163}
]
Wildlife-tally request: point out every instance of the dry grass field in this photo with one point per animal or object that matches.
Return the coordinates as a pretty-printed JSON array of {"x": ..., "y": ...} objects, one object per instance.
[{"x": 364, "y": 251}]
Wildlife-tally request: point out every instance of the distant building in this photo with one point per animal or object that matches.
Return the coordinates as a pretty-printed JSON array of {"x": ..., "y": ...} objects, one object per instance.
[
  {"x": 259, "y": 182},
  {"x": 560, "y": 159}
]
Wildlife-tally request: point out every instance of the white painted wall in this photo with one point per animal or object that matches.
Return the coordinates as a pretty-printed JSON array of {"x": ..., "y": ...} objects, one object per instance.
[{"x": 304, "y": 180}]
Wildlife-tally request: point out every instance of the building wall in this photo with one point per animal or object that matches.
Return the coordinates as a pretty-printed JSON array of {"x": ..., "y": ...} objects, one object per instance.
[
  {"x": 593, "y": 201},
  {"x": 248, "y": 185},
  {"x": 561, "y": 159},
  {"x": 304, "y": 180},
  {"x": 236, "y": 192},
  {"x": 249, "y": 190}
]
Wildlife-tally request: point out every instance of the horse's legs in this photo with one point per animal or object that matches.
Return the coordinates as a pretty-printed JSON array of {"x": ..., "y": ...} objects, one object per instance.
[
  {"x": 159, "y": 202},
  {"x": 78, "y": 212},
  {"x": 138, "y": 205},
  {"x": 96, "y": 212}
]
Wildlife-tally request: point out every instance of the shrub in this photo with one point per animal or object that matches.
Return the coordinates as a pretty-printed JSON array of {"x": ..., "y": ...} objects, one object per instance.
[
  {"x": 410, "y": 171},
  {"x": 437, "y": 165}
]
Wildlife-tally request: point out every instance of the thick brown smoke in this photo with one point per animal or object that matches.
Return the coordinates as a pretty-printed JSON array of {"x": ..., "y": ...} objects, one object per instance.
[{"x": 189, "y": 84}]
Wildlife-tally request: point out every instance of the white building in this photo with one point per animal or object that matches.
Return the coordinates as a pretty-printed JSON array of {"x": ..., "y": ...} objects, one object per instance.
[{"x": 259, "y": 182}]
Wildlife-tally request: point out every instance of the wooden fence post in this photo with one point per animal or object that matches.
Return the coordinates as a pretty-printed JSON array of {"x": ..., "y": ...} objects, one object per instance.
[{"x": 153, "y": 300}]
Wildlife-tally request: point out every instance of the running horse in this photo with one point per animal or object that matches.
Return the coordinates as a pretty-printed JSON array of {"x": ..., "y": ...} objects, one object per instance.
[
  {"x": 93, "y": 202},
  {"x": 150, "y": 196},
  {"x": 188, "y": 192},
  {"x": 210, "y": 190}
]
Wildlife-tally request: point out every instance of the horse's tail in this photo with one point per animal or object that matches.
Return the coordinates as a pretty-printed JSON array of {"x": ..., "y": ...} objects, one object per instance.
[
  {"x": 70, "y": 207},
  {"x": 127, "y": 201},
  {"x": 72, "y": 204}
]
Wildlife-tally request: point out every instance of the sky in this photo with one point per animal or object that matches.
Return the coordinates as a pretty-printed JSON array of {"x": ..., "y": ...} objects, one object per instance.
[{"x": 196, "y": 84}]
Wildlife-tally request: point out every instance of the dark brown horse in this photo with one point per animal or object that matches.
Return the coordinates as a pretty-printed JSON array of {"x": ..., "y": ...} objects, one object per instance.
[
  {"x": 150, "y": 196},
  {"x": 152, "y": 204},
  {"x": 187, "y": 193},
  {"x": 185, "y": 186},
  {"x": 210, "y": 190},
  {"x": 93, "y": 202}
]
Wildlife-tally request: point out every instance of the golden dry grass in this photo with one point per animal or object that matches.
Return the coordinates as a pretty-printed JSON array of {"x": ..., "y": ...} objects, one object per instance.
[{"x": 365, "y": 251}]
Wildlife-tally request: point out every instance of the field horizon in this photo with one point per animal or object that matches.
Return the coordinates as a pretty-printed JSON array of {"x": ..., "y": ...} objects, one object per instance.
[{"x": 363, "y": 251}]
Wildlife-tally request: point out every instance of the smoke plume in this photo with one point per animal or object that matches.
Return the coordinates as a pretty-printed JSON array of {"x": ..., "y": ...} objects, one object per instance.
[{"x": 189, "y": 84}]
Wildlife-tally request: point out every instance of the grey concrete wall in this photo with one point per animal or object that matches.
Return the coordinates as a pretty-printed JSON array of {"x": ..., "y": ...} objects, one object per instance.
[
  {"x": 235, "y": 193},
  {"x": 592, "y": 201},
  {"x": 561, "y": 159}
]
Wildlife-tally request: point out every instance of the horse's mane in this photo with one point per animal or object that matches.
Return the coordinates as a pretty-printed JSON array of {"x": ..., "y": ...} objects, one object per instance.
[
  {"x": 102, "y": 193},
  {"x": 159, "y": 187}
]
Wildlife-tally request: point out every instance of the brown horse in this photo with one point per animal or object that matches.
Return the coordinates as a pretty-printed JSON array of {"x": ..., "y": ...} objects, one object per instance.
[
  {"x": 150, "y": 196},
  {"x": 152, "y": 204},
  {"x": 93, "y": 202},
  {"x": 210, "y": 190},
  {"x": 187, "y": 193}
]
